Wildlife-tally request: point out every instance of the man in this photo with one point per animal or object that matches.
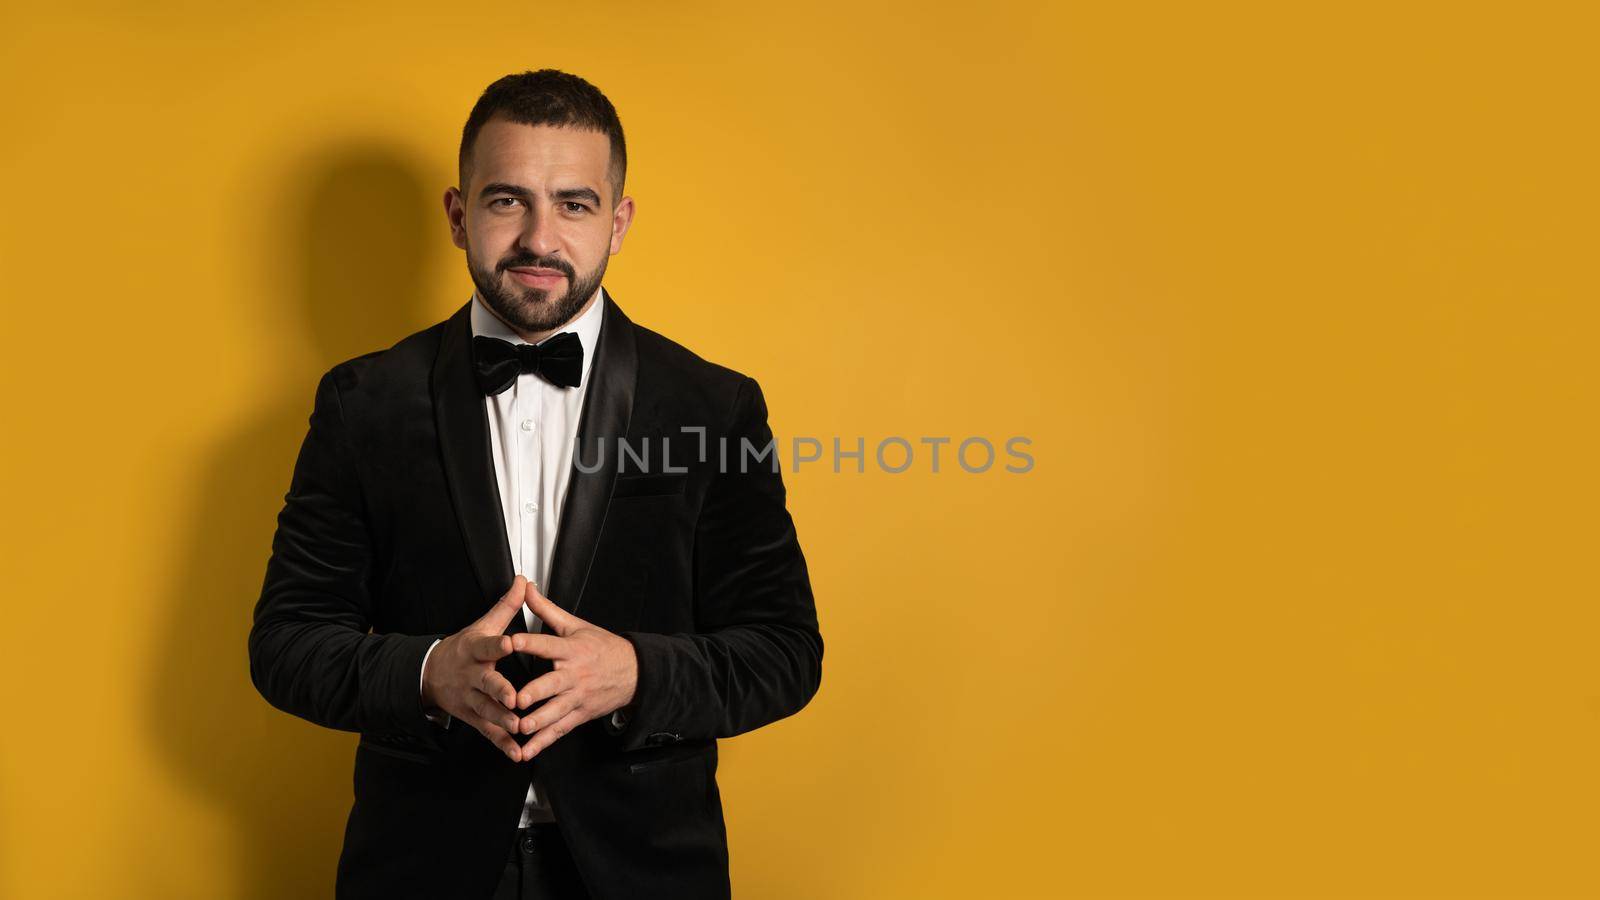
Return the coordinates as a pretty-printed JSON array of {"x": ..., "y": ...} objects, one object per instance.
[{"x": 537, "y": 555}]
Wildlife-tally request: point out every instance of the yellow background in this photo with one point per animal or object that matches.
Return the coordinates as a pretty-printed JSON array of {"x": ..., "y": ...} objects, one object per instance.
[{"x": 1294, "y": 302}]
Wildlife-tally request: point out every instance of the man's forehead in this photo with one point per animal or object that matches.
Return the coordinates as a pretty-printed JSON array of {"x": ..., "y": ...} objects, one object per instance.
[{"x": 505, "y": 148}]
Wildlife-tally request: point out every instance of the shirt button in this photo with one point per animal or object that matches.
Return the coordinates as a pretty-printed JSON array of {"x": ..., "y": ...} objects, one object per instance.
[
  {"x": 527, "y": 424},
  {"x": 530, "y": 506}
]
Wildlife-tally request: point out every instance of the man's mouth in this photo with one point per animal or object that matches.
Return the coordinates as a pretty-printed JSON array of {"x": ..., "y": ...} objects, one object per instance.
[{"x": 536, "y": 277}]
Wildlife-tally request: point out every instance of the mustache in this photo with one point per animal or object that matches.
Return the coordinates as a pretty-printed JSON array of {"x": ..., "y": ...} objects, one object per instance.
[{"x": 535, "y": 263}]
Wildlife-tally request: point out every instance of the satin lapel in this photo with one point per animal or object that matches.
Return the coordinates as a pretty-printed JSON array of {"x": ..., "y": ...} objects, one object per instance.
[
  {"x": 463, "y": 425},
  {"x": 607, "y": 409}
]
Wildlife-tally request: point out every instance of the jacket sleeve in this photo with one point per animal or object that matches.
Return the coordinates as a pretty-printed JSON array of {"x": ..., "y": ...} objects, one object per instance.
[
  {"x": 756, "y": 654},
  {"x": 311, "y": 653}
]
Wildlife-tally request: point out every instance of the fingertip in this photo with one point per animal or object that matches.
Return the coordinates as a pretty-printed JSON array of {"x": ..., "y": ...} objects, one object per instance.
[{"x": 517, "y": 588}]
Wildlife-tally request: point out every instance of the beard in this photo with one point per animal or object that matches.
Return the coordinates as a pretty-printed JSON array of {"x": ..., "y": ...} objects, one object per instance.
[{"x": 531, "y": 309}]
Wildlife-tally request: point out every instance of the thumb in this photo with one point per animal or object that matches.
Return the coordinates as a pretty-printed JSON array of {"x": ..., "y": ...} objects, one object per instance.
[
  {"x": 509, "y": 604},
  {"x": 556, "y": 619}
]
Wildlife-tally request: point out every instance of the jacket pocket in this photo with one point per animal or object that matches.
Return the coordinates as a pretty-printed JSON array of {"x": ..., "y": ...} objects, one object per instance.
[
  {"x": 377, "y": 745},
  {"x": 670, "y": 756},
  {"x": 649, "y": 485}
]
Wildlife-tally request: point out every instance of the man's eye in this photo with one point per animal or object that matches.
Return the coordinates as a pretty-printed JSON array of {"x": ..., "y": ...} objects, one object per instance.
[
  {"x": 503, "y": 200},
  {"x": 575, "y": 206}
]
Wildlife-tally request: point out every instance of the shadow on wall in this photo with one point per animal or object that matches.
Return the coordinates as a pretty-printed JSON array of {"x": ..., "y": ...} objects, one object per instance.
[{"x": 361, "y": 240}]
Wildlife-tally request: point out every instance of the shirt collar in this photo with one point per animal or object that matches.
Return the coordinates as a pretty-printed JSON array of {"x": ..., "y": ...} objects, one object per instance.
[{"x": 586, "y": 326}]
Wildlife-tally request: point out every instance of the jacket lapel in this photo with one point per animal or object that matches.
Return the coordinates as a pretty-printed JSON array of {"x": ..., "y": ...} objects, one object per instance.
[
  {"x": 463, "y": 426},
  {"x": 607, "y": 410}
]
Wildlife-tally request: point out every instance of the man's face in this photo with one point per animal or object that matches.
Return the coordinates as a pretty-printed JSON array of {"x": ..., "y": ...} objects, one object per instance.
[{"x": 537, "y": 221}]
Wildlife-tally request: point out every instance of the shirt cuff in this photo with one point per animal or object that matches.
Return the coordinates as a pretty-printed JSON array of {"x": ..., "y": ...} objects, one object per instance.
[
  {"x": 437, "y": 716},
  {"x": 618, "y": 720}
]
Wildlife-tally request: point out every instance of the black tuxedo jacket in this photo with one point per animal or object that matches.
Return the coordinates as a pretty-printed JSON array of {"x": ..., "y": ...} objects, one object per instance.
[{"x": 391, "y": 536}]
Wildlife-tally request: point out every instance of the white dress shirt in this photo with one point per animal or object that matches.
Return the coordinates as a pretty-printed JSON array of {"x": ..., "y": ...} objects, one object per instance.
[{"x": 533, "y": 426}]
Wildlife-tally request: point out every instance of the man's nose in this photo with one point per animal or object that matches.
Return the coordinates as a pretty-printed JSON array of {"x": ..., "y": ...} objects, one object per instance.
[{"x": 539, "y": 235}]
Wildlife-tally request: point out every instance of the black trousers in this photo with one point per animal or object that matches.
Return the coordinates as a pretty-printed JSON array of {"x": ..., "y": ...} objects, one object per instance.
[{"x": 540, "y": 867}]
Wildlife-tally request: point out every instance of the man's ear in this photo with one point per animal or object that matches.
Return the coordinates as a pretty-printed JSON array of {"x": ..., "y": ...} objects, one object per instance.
[
  {"x": 621, "y": 218},
  {"x": 455, "y": 209}
]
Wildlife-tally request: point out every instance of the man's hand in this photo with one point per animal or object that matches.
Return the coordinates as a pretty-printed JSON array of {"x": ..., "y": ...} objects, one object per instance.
[
  {"x": 595, "y": 673},
  {"x": 460, "y": 677}
]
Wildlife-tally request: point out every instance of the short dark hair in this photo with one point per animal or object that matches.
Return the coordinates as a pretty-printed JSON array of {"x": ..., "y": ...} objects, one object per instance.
[{"x": 548, "y": 97}]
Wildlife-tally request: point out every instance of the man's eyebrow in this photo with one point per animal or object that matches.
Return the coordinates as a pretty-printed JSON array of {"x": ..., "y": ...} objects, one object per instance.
[
  {"x": 517, "y": 190},
  {"x": 500, "y": 187},
  {"x": 582, "y": 193}
]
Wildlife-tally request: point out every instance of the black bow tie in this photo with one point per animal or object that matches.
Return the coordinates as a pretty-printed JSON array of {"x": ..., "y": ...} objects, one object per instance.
[{"x": 558, "y": 360}]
